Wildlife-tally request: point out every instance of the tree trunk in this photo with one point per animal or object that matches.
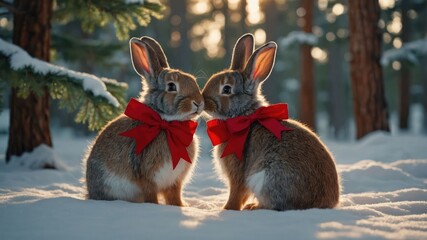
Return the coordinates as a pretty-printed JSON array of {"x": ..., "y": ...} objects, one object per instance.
[
  {"x": 337, "y": 102},
  {"x": 228, "y": 32},
  {"x": 369, "y": 105},
  {"x": 179, "y": 9},
  {"x": 424, "y": 82},
  {"x": 272, "y": 87},
  {"x": 29, "y": 117},
  {"x": 405, "y": 75},
  {"x": 307, "y": 105}
]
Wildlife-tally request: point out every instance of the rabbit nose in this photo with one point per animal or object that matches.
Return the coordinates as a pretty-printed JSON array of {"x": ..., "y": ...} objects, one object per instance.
[{"x": 196, "y": 104}]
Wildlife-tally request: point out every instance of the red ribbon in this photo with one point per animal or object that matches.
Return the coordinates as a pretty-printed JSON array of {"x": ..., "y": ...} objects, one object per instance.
[
  {"x": 179, "y": 133},
  {"x": 234, "y": 131}
]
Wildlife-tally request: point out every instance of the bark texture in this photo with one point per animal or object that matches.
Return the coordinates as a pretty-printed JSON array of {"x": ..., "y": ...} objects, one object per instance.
[
  {"x": 30, "y": 117},
  {"x": 369, "y": 105},
  {"x": 307, "y": 104}
]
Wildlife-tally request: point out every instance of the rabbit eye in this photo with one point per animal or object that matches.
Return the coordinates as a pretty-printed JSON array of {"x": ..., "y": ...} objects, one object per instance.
[
  {"x": 171, "y": 87},
  {"x": 226, "y": 90}
]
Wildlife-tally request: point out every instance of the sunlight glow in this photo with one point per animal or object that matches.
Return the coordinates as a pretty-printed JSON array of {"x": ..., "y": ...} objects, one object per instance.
[
  {"x": 396, "y": 24},
  {"x": 234, "y": 4},
  {"x": 387, "y": 37},
  {"x": 338, "y": 9},
  {"x": 396, "y": 65},
  {"x": 330, "y": 36},
  {"x": 255, "y": 15},
  {"x": 385, "y": 4},
  {"x": 200, "y": 7},
  {"x": 260, "y": 36},
  {"x": 319, "y": 54},
  {"x": 323, "y": 4},
  {"x": 3, "y": 22},
  {"x": 397, "y": 43}
]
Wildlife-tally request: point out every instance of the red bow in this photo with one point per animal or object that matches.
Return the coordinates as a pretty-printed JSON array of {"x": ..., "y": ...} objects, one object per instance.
[
  {"x": 179, "y": 133},
  {"x": 235, "y": 130}
]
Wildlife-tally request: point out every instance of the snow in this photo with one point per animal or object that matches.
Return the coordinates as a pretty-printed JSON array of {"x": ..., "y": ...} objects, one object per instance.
[
  {"x": 384, "y": 196},
  {"x": 298, "y": 37},
  {"x": 20, "y": 59},
  {"x": 409, "y": 51}
]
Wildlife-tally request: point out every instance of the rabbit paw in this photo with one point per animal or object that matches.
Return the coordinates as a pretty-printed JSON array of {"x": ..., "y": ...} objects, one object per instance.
[{"x": 251, "y": 206}]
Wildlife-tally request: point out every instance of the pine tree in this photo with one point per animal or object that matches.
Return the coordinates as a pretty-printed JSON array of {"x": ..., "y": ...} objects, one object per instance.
[
  {"x": 369, "y": 103},
  {"x": 307, "y": 105},
  {"x": 33, "y": 84}
]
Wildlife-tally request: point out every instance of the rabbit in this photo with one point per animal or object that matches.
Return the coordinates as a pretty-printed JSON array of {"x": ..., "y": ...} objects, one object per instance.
[
  {"x": 113, "y": 170},
  {"x": 297, "y": 172}
]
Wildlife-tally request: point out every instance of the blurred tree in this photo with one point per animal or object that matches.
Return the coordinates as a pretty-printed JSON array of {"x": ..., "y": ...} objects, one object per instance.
[
  {"x": 29, "y": 103},
  {"x": 307, "y": 107},
  {"x": 370, "y": 110},
  {"x": 273, "y": 86},
  {"x": 405, "y": 75},
  {"x": 179, "y": 34},
  {"x": 424, "y": 75}
]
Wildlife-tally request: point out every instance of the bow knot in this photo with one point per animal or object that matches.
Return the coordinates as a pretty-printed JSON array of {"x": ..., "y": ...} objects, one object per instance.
[
  {"x": 179, "y": 133},
  {"x": 235, "y": 130},
  {"x": 164, "y": 124}
]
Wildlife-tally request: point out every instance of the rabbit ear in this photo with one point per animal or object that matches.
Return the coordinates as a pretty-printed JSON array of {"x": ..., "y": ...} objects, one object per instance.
[
  {"x": 144, "y": 59},
  {"x": 260, "y": 64},
  {"x": 242, "y": 51},
  {"x": 158, "y": 50}
]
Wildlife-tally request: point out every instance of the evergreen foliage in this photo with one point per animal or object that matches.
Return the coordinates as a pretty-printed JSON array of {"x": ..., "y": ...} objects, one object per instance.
[
  {"x": 125, "y": 15},
  {"x": 95, "y": 109}
]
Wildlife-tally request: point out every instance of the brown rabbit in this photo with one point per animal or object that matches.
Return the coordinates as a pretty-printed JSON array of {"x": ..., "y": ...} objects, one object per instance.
[
  {"x": 296, "y": 172},
  {"x": 113, "y": 169}
]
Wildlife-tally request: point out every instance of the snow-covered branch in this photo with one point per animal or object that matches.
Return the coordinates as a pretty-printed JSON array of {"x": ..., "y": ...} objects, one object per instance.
[
  {"x": 20, "y": 59},
  {"x": 410, "y": 51},
  {"x": 96, "y": 100},
  {"x": 298, "y": 37}
]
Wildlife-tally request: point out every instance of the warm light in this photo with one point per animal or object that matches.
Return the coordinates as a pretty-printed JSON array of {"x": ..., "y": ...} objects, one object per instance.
[
  {"x": 260, "y": 36},
  {"x": 323, "y": 4},
  {"x": 381, "y": 23},
  {"x": 234, "y": 4},
  {"x": 3, "y": 22},
  {"x": 197, "y": 30},
  {"x": 330, "y": 17},
  {"x": 395, "y": 25},
  {"x": 200, "y": 7},
  {"x": 235, "y": 17},
  {"x": 338, "y": 9},
  {"x": 219, "y": 18},
  {"x": 319, "y": 54},
  {"x": 255, "y": 16},
  {"x": 387, "y": 37},
  {"x": 330, "y": 36},
  {"x": 397, "y": 43},
  {"x": 175, "y": 38},
  {"x": 300, "y": 12},
  {"x": 385, "y": 4},
  {"x": 396, "y": 65}
]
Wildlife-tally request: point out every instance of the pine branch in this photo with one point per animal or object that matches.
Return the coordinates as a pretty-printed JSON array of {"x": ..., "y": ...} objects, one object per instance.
[
  {"x": 99, "y": 13},
  {"x": 98, "y": 100}
]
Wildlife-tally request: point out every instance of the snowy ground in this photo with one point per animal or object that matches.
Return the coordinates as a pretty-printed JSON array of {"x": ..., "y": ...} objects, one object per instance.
[{"x": 384, "y": 196}]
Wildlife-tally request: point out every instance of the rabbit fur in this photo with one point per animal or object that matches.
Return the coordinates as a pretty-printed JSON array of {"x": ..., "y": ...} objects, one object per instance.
[
  {"x": 113, "y": 170},
  {"x": 297, "y": 172}
]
